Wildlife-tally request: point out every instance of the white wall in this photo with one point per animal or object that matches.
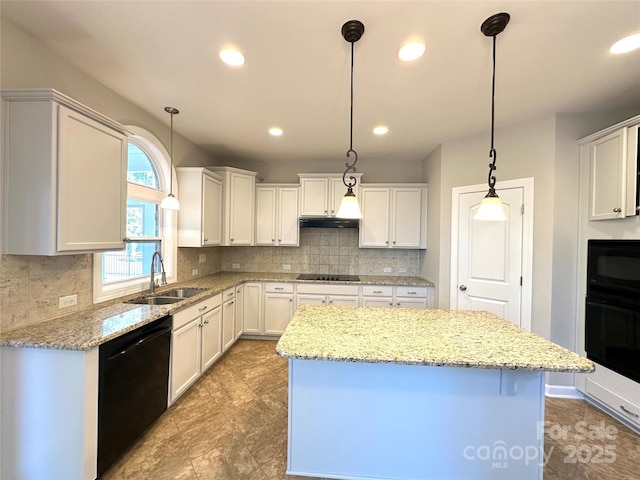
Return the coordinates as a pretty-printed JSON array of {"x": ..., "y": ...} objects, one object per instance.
[{"x": 429, "y": 259}]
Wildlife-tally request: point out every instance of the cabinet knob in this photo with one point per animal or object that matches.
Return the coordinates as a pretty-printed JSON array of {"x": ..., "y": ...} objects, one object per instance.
[
  {"x": 387, "y": 242},
  {"x": 638, "y": 209},
  {"x": 462, "y": 288},
  {"x": 206, "y": 322},
  {"x": 273, "y": 239},
  {"x": 391, "y": 303},
  {"x": 394, "y": 242},
  {"x": 127, "y": 239},
  {"x": 325, "y": 211},
  {"x": 398, "y": 304},
  {"x": 231, "y": 303},
  {"x": 290, "y": 300},
  {"x": 279, "y": 239},
  {"x": 202, "y": 309},
  {"x": 206, "y": 239},
  {"x": 617, "y": 210}
]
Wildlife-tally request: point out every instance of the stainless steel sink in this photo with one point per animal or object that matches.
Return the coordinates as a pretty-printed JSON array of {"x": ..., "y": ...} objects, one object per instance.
[
  {"x": 156, "y": 300},
  {"x": 183, "y": 292}
]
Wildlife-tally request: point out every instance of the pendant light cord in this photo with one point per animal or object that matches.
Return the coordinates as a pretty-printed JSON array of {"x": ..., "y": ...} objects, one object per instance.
[
  {"x": 492, "y": 152},
  {"x": 171, "y": 154},
  {"x": 350, "y": 167}
]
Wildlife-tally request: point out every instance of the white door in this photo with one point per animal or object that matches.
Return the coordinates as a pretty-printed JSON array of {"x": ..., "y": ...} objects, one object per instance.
[{"x": 488, "y": 256}]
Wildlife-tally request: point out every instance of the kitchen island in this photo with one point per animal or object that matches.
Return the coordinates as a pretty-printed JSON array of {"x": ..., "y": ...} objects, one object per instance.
[{"x": 416, "y": 394}]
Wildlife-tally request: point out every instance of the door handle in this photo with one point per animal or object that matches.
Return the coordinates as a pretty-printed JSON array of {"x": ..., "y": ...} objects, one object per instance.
[
  {"x": 617, "y": 210},
  {"x": 463, "y": 288}
]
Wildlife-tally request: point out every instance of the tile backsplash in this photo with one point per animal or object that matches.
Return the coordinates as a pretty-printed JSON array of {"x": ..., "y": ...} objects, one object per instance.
[
  {"x": 323, "y": 251},
  {"x": 30, "y": 286}
]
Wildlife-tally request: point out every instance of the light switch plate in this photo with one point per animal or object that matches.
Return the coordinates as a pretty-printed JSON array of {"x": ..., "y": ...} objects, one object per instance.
[
  {"x": 387, "y": 270},
  {"x": 286, "y": 266},
  {"x": 194, "y": 272},
  {"x": 403, "y": 270},
  {"x": 235, "y": 265},
  {"x": 202, "y": 258},
  {"x": 68, "y": 301}
]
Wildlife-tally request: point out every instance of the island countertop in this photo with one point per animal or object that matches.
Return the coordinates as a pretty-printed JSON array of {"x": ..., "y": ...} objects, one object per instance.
[{"x": 421, "y": 337}]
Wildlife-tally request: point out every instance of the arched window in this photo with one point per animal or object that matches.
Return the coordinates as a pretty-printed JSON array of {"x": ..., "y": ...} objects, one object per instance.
[{"x": 149, "y": 228}]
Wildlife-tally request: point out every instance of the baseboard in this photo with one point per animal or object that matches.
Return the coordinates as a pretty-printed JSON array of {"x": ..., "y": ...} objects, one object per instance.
[{"x": 562, "y": 391}]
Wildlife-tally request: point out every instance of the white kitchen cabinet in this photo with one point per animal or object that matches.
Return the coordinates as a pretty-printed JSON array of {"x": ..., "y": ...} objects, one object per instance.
[
  {"x": 377, "y": 296},
  {"x": 321, "y": 194},
  {"x": 396, "y": 297},
  {"x": 239, "y": 319},
  {"x": 238, "y": 205},
  {"x": 200, "y": 217},
  {"x": 196, "y": 343},
  {"x": 327, "y": 294},
  {"x": 277, "y": 215},
  {"x": 253, "y": 309},
  {"x": 228, "y": 318},
  {"x": 65, "y": 181},
  {"x": 278, "y": 307},
  {"x": 613, "y": 162},
  {"x": 411, "y": 297},
  {"x": 393, "y": 216}
]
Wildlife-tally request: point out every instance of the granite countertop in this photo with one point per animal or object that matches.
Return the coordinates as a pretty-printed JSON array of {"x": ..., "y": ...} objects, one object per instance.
[
  {"x": 421, "y": 337},
  {"x": 89, "y": 328}
]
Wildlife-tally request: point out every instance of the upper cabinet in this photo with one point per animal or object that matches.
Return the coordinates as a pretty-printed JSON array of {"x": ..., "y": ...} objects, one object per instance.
[
  {"x": 65, "y": 187},
  {"x": 321, "y": 193},
  {"x": 238, "y": 194},
  {"x": 613, "y": 166},
  {"x": 277, "y": 215},
  {"x": 200, "y": 216},
  {"x": 393, "y": 216}
]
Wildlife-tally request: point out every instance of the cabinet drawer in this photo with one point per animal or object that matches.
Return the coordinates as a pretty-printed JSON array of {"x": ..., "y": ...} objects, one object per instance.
[
  {"x": 327, "y": 289},
  {"x": 377, "y": 291},
  {"x": 622, "y": 406},
  {"x": 278, "y": 287},
  {"x": 228, "y": 294},
  {"x": 411, "y": 292},
  {"x": 185, "y": 316}
]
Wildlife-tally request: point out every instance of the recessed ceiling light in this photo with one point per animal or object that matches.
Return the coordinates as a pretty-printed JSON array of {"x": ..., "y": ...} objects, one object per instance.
[
  {"x": 627, "y": 44},
  {"x": 411, "y": 51},
  {"x": 380, "y": 130},
  {"x": 232, "y": 57},
  {"x": 276, "y": 131}
]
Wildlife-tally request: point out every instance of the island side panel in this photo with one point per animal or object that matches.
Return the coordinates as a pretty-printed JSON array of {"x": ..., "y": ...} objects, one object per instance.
[
  {"x": 48, "y": 414},
  {"x": 364, "y": 420}
]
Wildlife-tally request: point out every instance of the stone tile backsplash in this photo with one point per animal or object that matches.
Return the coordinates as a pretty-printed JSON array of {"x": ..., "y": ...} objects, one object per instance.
[
  {"x": 30, "y": 286},
  {"x": 323, "y": 251}
]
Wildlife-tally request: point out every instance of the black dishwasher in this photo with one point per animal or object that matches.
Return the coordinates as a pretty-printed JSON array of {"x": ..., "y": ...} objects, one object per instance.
[{"x": 133, "y": 387}]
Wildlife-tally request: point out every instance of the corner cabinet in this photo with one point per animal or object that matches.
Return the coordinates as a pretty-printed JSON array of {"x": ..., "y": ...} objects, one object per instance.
[
  {"x": 321, "y": 193},
  {"x": 200, "y": 218},
  {"x": 238, "y": 193},
  {"x": 613, "y": 169},
  {"x": 393, "y": 216},
  {"x": 64, "y": 176},
  {"x": 277, "y": 215}
]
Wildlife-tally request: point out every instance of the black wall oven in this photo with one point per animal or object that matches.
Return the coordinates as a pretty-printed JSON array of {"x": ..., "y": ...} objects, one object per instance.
[{"x": 612, "y": 335}]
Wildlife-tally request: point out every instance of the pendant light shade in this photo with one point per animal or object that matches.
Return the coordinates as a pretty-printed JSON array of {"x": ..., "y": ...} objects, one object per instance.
[
  {"x": 170, "y": 202},
  {"x": 491, "y": 207},
  {"x": 352, "y": 32}
]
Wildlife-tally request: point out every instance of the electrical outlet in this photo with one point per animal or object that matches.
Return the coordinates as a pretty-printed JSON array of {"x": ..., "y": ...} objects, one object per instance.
[
  {"x": 403, "y": 270},
  {"x": 68, "y": 301},
  {"x": 202, "y": 258},
  {"x": 286, "y": 266},
  {"x": 387, "y": 270},
  {"x": 235, "y": 265},
  {"x": 194, "y": 272}
]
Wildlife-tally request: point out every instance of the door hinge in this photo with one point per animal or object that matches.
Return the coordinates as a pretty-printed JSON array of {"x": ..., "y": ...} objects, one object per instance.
[
  {"x": 522, "y": 209},
  {"x": 520, "y": 281}
]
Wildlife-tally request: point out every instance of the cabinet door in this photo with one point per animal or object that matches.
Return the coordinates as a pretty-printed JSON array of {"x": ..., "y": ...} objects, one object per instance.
[
  {"x": 278, "y": 310},
  {"x": 337, "y": 191},
  {"x": 607, "y": 165},
  {"x": 241, "y": 210},
  {"x": 239, "y": 323},
  {"x": 185, "y": 357},
  {"x": 211, "y": 338},
  {"x": 266, "y": 216},
  {"x": 211, "y": 211},
  {"x": 92, "y": 186},
  {"x": 288, "y": 224},
  {"x": 314, "y": 197},
  {"x": 374, "y": 226},
  {"x": 310, "y": 299},
  {"x": 406, "y": 217},
  {"x": 385, "y": 302},
  {"x": 228, "y": 324},
  {"x": 253, "y": 311},
  {"x": 411, "y": 303},
  {"x": 343, "y": 301}
]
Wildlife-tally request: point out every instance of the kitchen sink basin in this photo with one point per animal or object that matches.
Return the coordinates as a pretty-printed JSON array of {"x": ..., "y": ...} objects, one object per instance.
[
  {"x": 156, "y": 300},
  {"x": 183, "y": 292}
]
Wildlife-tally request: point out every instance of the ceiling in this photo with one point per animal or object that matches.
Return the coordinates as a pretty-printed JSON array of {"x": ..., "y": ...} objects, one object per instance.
[{"x": 552, "y": 57}]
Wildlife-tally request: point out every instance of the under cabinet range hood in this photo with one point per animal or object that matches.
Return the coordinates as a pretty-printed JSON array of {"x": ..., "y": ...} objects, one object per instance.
[{"x": 328, "y": 222}]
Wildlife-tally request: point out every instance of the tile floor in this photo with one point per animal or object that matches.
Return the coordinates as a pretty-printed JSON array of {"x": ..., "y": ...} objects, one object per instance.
[{"x": 232, "y": 425}]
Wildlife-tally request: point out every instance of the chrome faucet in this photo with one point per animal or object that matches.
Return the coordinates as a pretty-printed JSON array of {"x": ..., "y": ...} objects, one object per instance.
[{"x": 152, "y": 283}]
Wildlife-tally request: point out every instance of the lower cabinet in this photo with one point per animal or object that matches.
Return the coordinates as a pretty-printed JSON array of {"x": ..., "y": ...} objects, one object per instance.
[
  {"x": 396, "y": 297},
  {"x": 196, "y": 343},
  {"x": 239, "y": 303},
  {"x": 278, "y": 307},
  {"x": 228, "y": 318},
  {"x": 377, "y": 296},
  {"x": 328, "y": 294},
  {"x": 252, "y": 304}
]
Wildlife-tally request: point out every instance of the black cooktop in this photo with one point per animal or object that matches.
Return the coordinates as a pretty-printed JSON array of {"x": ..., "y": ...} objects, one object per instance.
[{"x": 329, "y": 278}]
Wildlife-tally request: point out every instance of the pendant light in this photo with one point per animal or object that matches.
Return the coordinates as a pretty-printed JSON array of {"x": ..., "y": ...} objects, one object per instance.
[
  {"x": 170, "y": 202},
  {"x": 491, "y": 206},
  {"x": 349, "y": 208}
]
